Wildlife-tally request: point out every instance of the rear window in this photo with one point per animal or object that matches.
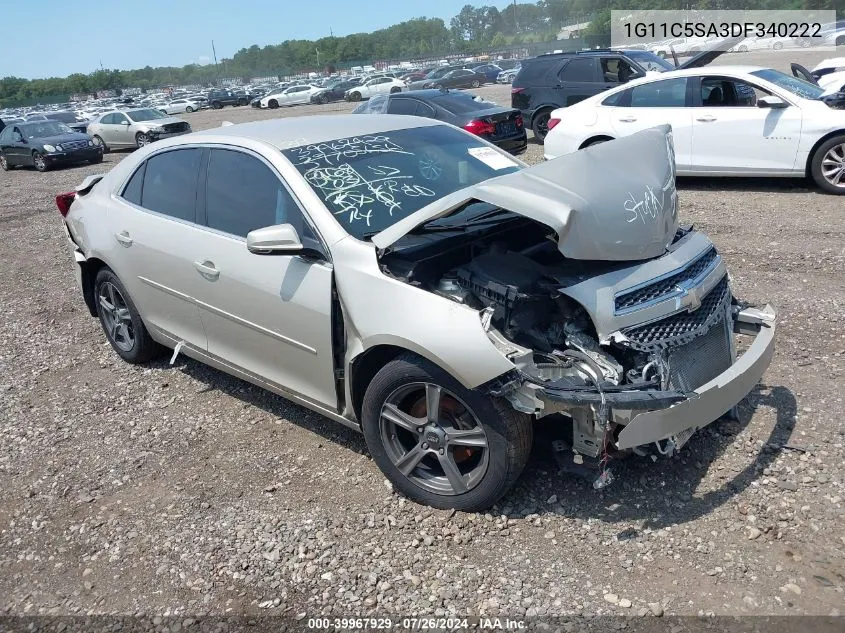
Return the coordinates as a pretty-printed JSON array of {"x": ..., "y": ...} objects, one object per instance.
[
  {"x": 534, "y": 70},
  {"x": 462, "y": 102}
]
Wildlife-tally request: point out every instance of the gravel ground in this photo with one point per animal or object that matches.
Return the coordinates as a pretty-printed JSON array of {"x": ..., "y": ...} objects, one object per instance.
[{"x": 180, "y": 490}]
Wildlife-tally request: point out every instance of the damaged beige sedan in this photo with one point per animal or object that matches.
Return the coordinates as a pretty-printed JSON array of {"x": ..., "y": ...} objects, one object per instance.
[{"x": 408, "y": 279}]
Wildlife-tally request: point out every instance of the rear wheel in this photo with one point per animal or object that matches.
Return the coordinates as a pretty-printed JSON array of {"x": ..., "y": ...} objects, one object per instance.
[
  {"x": 540, "y": 124},
  {"x": 39, "y": 161},
  {"x": 827, "y": 167},
  {"x": 242, "y": 102},
  {"x": 98, "y": 159},
  {"x": 475, "y": 83},
  {"x": 273, "y": 104},
  {"x": 216, "y": 105},
  {"x": 777, "y": 46},
  {"x": 121, "y": 321},
  {"x": 439, "y": 443}
]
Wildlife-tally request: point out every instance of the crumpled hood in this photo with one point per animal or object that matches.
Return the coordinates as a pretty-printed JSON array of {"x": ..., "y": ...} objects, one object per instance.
[{"x": 615, "y": 201}]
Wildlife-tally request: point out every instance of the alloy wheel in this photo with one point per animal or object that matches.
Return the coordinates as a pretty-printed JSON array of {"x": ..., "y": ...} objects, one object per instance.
[
  {"x": 833, "y": 166},
  {"x": 4, "y": 165},
  {"x": 39, "y": 162},
  {"x": 142, "y": 139},
  {"x": 116, "y": 317},
  {"x": 434, "y": 439}
]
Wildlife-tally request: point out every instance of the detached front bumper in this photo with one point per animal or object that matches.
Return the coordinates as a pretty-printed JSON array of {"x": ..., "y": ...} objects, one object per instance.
[{"x": 661, "y": 415}]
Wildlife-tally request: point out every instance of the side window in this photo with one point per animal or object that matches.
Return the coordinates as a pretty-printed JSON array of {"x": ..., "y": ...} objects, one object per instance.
[
  {"x": 132, "y": 191},
  {"x": 170, "y": 183},
  {"x": 119, "y": 118},
  {"x": 242, "y": 194},
  {"x": 669, "y": 93},
  {"x": 616, "y": 70},
  {"x": 423, "y": 109},
  {"x": 108, "y": 119},
  {"x": 579, "y": 69},
  {"x": 719, "y": 92},
  {"x": 402, "y": 106},
  {"x": 614, "y": 99}
]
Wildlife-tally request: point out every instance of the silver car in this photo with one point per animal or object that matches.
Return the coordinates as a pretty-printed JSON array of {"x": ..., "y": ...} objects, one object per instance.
[
  {"x": 121, "y": 129},
  {"x": 405, "y": 278}
]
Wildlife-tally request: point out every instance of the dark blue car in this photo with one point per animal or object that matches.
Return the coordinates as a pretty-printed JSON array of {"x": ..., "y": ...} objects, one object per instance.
[{"x": 43, "y": 144}]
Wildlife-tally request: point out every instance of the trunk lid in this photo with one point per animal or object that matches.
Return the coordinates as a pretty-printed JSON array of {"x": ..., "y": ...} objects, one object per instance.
[{"x": 615, "y": 201}]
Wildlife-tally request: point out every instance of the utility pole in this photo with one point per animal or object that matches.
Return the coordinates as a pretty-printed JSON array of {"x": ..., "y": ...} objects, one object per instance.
[
  {"x": 318, "y": 58},
  {"x": 216, "y": 67},
  {"x": 515, "y": 21}
]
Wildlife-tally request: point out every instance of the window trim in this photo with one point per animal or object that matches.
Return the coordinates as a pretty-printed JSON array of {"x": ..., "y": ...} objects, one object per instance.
[
  {"x": 596, "y": 72},
  {"x": 695, "y": 95},
  {"x": 625, "y": 99}
]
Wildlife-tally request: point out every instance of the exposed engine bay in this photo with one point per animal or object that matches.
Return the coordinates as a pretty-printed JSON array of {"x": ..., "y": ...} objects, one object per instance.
[{"x": 514, "y": 274}]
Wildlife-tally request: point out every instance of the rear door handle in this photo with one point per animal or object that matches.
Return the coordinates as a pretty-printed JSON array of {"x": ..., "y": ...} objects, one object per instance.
[
  {"x": 628, "y": 119},
  {"x": 706, "y": 119},
  {"x": 207, "y": 270},
  {"x": 123, "y": 238}
]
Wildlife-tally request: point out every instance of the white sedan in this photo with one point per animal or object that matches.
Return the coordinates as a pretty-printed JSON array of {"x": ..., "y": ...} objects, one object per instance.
[
  {"x": 292, "y": 95},
  {"x": 177, "y": 106},
  {"x": 375, "y": 86},
  {"x": 726, "y": 121}
]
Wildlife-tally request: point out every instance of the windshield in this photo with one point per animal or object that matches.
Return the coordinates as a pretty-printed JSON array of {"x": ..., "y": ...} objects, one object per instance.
[
  {"x": 145, "y": 115},
  {"x": 371, "y": 182},
  {"x": 796, "y": 86},
  {"x": 64, "y": 117},
  {"x": 437, "y": 73},
  {"x": 45, "y": 129},
  {"x": 649, "y": 60}
]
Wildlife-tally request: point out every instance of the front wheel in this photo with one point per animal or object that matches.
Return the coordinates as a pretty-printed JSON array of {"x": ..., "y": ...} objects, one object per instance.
[
  {"x": 440, "y": 443},
  {"x": 97, "y": 160},
  {"x": 540, "y": 125},
  {"x": 777, "y": 46},
  {"x": 273, "y": 104},
  {"x": 827, "y": 166},
  {"x": 4, "y": 164},
  {"x": 475, "y": 83},
  {"x": 217, "y": 105},
  {"x": 39, "y": 161},
  {"x": 189, "y": 109},
  {"x": 142, "y": 139},
  {"x": 355, "y": 96},
  {"x": 121, "y": 321}
]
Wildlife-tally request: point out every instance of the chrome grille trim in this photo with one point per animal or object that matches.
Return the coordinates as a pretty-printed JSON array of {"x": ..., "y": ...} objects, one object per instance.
[{"x": 668, "y": 286}]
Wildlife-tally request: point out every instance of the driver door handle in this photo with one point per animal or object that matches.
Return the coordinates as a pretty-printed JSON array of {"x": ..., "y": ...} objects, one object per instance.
[
  {"x": 207, "y": 270},
  {"x": 706, "y": 118},
  {"x": 627, "y": 119},
  {"x": 123, "y": 238}
]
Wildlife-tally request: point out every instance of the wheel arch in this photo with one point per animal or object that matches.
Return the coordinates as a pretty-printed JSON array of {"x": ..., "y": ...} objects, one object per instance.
[
  {"x": 542, "y": 108},
  {"x": 90, "y": 267},
  {"x": 816, "y": 145},
  {"x": 594, "y": 138}
]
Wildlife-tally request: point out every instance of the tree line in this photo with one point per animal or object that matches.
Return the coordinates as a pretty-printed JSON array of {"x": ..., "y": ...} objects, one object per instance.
[{"x": 474, "y": 29}]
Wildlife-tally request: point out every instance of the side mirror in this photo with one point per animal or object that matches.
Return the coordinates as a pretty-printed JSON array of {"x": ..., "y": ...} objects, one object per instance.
[
  {"x": 124, "y": 122},
  {"x": 280, "y": 239},
  {"x": 772, "y": 102}
]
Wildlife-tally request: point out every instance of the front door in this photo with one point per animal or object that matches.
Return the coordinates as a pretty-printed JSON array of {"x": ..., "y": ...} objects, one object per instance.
[
  {"x": 268, "y": 315},
  {"x": 730, "y": 133},
  {"x": 157, "y": 241}
]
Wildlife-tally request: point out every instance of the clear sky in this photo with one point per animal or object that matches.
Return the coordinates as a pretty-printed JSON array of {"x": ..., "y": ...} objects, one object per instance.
[{"x": 54, "y": 38}]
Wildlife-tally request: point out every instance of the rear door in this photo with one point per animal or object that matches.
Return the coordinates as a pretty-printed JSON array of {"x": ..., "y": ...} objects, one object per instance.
[
  {"x": 578, "y": 79},
  {"x": 157, "y": 241},
  {"x": 267, "y": 315},
  {"x": 656, "y": 103}
]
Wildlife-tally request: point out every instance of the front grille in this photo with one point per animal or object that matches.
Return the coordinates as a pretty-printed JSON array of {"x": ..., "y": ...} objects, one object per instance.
[
  {"x": 667, "y": 287},
  {"x": 173, "y": 128},
  {"x": 72, "y": 146},
  {"x": 683, "y": 327},
  {"x": 698, "y": 362}
]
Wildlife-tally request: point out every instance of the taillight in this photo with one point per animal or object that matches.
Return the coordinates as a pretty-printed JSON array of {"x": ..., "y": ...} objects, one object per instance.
[
  {"x": 64, "y": 200},
  {"x": 479, "y": 127},
  {"x": 518, "y": 120},
  {"x": 552, "y": 123}
]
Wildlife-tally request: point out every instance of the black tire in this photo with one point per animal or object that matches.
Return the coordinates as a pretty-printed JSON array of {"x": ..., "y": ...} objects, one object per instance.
[
  {"x": 242, "y": 102},
  {"x": 395, "y": 89},
  {"x": 475, "y": 83},
  {"x": 189, "y": 109},
  {"x": 777, "y": 46},
  {"x": 355, "y": 96},
  {"x": 508, "y": 436},
  {"x": 540, "y": 124},
  {"x": 216, "y": 105},
  {"x": 273, "y": 104},
  {"x": 142, "y": 139},
  {"x": 4, "y": 164},
  {"x": 835, "y": 145},
  {"x": 99, "y": 141},
  {"x": 97, "y": 160},
  {"x": 143, "y": 347},
  {"x": 39, "y": 162}
]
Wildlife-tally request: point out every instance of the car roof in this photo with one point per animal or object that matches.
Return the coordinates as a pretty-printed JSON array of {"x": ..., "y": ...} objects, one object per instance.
[{"x": 307, "y": 130}]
